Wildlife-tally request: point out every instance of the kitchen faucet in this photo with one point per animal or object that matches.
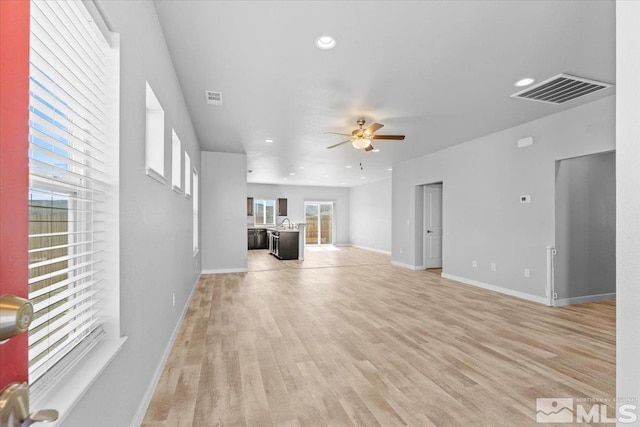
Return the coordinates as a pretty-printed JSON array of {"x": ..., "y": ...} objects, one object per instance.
[{"x": 288, "y": 221}]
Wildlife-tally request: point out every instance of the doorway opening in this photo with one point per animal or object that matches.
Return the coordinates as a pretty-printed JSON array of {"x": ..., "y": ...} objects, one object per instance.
[
  {"x": 319, "y": 220},
  {"x": 432, "y": 226},
  {"x": 585, "y": 230}
]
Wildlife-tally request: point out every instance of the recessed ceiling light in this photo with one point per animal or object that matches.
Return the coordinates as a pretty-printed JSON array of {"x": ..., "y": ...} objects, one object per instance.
[
  {"x": 363, "y": 177},
  {"x": 269, "y": 141},
  {"x": 348, "y": 166},
  {"x": 326, "y": 42},
  {"x": 390, "y": 169},
  {"x": 524, "y": 82},
  {"x": 292, "y": 174},
  {"x": 326, "y": 176},
  {"x": 301, "y": 167},
  {"x": 284, "y": 179},
  {"x": 376, "y": 150}
]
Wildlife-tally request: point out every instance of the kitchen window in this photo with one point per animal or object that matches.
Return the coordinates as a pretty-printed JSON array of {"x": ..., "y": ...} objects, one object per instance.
[{"x": 264, "y": 212}]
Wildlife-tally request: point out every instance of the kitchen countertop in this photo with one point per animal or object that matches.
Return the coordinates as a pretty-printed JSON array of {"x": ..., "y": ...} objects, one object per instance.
[{"x": 280, "y": 229}]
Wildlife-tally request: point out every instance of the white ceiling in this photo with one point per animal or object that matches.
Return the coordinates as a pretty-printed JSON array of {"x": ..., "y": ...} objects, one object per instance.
[{"x": 439, "y": 72}]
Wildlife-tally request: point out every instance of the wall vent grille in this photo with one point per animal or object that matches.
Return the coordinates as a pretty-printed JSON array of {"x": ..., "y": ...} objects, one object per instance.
[{"x": 560, "y": 89}]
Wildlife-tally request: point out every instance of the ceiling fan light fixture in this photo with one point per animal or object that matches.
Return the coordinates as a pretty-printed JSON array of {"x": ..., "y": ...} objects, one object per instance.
[
  {"x": 326, "y": 42},
  {"x": 361, "y": 143}
]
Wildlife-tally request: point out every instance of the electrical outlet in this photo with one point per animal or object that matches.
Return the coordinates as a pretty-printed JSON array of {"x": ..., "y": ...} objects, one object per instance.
[
  {"x": 173, "y": 299},
  {"x": 474, "y": 263},
  {"x": 525, "y": 199},
  {"x": 493, "y": 266},
  {"x": 527, "y": 272}
]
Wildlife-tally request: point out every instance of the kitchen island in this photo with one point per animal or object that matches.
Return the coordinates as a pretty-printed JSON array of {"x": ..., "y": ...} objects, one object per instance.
[{"x": 284, "y": 243}]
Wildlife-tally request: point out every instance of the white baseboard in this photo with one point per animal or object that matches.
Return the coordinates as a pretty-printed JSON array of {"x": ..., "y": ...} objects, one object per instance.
[
  {"x": 506, "y": 291},
  {"x": 409, "y": 266},
  {"x": 371, "y": 249},
  {"x": 225, "y": 270},
  {"x": 587, "y": 298},
  {"x": 144, "y": 405}
]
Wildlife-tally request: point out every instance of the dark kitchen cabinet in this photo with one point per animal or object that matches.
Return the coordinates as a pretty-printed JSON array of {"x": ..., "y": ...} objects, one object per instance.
[
  {"x": 284, "y": 245},
  {"x": 249, "y": 206},
  {"x": 282, "y": 207},
  {"x": 257, "y": 238},
  {"x": 251, "y": 238}
]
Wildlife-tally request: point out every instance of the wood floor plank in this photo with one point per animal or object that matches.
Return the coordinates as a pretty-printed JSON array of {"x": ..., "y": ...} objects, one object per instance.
[{"x": 345, "y": 338}]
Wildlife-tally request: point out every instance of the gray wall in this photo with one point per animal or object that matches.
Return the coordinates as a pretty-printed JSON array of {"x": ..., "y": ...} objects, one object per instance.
[
  {"x": 586, "y": 226},
  {"x": 483, "y": 179},
  {"x": 370, "y": 220},
  {"x": 156, "y": 223},
  {"x": 628, "y": 201},
  {"x": 224, "y": 209},
  {"x": 296, "y": 195}
]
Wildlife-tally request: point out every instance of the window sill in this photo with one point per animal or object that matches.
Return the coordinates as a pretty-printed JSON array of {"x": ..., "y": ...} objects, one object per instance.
[
  {"x": 64, "y": 396},
  {"x": 188, "y": 196},
  {"x": 151, "y": 173},
  {"x": 195, "y": 253},
  {"x": 177, "y": 189}
]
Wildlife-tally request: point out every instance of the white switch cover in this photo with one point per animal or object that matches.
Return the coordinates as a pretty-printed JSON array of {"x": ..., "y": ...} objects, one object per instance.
[
  {"x": 474, "y": 263},
  {"x": 493, "y": 266},
  {"x": 527, "y": 272}
]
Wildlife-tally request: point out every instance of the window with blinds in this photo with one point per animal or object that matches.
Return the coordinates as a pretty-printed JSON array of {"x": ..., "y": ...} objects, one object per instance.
[{"x": 68, "y": 182}]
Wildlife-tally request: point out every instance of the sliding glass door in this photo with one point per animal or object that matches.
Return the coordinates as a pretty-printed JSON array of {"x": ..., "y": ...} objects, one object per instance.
[{"x": 319, "y": 220}]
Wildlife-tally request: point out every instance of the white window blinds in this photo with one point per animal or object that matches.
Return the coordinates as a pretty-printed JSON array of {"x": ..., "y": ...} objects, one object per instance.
[{"x": 67, "y": 146}]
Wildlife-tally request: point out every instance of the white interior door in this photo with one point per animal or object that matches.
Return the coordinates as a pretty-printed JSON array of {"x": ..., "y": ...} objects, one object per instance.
[{"x": 432, "y": 227}]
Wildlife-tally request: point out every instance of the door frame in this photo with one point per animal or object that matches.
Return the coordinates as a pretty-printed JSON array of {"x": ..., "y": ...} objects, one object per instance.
[
  {"x": 424, "y": 225},
  {"x": 333, "y": 223},
  {"x": 419, "y": 228}
]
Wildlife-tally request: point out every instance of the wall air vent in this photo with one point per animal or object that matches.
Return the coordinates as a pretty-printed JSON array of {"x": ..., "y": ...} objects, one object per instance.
[
  {"x": 560, "y": 89},
  {"x": 213, "y": 98}
]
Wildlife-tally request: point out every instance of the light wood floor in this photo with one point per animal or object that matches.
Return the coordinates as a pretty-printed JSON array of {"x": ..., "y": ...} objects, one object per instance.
[{"x": 345, "y": 338}]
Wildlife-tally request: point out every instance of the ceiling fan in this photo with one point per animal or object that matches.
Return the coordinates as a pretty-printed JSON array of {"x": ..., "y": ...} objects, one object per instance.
[{"x": 361, "y": 138}]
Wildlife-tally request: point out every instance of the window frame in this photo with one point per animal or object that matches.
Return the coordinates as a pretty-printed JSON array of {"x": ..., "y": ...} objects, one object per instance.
[
  {"x": 196, "y": 212},
  {"x": 176, "y": 162},
  {"x": 65, "y": 383},
  {"x": 187, "y": 175},
  {"x": 264, "y": 214},
  {"x": 154, "y": 136}
]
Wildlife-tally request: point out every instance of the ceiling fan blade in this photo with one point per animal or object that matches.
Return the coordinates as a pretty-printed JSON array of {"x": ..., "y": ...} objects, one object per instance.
[
  {"x": 372, "y": 128},
  {"x": 336, "y": 133},
  {"x": 339, "y": 143},
  {"x": 369, "y": 148},
  {"x": 396, "y": 137}
]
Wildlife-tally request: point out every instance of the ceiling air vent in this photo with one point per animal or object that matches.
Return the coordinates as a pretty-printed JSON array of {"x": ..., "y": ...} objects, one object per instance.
[
  {"x": 213, "y": 98},
  {"x": 560, "y": 89}
]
